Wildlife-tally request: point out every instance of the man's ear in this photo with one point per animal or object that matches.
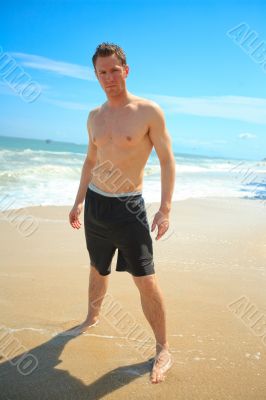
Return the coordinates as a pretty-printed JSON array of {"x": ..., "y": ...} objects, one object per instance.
[
  {"x": 127, "y": 70},
  {"x": 96, "y": 73}
]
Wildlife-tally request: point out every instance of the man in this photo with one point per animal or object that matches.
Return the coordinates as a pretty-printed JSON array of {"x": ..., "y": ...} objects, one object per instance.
[{"x": 122, "y": 133}]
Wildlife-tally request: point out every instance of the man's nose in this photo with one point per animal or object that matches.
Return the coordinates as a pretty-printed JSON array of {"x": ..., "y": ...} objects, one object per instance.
[{"x": 109, "y": 77}]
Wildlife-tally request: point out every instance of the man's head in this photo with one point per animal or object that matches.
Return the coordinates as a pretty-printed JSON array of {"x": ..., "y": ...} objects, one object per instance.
[
  {"x": 111, "y": 69},
  {"x": 106, "y": 49}
]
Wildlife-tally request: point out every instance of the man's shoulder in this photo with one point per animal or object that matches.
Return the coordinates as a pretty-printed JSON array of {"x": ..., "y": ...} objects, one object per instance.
[
  {"x": 143, "y": 101},
  {"x": 94, "y": 111},
  {"x": 151, "y": 109},
  {"x": 149, "y": 105}
]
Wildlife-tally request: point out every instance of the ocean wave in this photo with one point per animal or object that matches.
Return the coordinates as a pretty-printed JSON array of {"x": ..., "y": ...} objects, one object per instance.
[
  {"x": 42, "y": 172},
  {"x": 48, "y": 177},
  {"x": 45, "y": 153}
]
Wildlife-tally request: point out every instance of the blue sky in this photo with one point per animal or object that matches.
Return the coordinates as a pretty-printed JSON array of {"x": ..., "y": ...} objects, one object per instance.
[{"x": 196, "y": 59}]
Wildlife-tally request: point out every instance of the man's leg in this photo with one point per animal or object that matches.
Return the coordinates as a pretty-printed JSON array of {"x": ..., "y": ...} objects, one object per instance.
[
  {"x": 154, "y": 310},
  {"x": 98, "y": 285}
]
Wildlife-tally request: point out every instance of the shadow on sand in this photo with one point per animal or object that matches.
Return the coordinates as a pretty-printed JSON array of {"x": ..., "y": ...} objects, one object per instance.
[{"x": 47, "y": 382}]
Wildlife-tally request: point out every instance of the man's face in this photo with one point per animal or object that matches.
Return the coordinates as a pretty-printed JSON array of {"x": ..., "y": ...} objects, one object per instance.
[{"x": 111, "y": 74}]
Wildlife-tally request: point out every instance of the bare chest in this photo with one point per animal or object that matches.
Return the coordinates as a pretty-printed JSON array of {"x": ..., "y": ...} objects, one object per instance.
[{"x": 125, "y": 129}]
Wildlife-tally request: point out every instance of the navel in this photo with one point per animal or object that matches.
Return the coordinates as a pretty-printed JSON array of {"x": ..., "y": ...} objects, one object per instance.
[{"x": 129, "y": 138}]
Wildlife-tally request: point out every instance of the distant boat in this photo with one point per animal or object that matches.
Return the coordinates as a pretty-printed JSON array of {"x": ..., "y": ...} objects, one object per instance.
[{"x": 48, "y": 141}]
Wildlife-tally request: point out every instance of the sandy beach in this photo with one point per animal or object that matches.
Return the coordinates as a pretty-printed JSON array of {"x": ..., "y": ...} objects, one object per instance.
[{"x": 211, "y": 268}]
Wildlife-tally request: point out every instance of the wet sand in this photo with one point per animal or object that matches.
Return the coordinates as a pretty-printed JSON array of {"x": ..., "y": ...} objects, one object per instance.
[{"x": 211, "y": 268}]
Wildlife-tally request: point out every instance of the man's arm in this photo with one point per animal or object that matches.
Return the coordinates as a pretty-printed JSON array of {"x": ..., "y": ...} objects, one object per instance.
[
  {"x": 89, "y": 163},
  {"x": 161, "y": 140},
  {"x": 86, "y": 176}
]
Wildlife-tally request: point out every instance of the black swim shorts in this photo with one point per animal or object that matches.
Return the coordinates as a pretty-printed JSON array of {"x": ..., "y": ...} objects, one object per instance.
[{"x": 118, "y": 223}]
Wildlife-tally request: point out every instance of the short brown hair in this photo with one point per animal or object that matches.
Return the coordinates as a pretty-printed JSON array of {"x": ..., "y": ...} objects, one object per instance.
[{"x": 106, "y": 49}]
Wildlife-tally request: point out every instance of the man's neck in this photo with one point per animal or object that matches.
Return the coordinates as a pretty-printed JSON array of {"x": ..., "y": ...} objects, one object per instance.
[{"x": 118, "y": 101}]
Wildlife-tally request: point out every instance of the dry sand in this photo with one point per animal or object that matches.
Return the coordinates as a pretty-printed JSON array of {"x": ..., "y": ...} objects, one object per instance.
[{"x": 211, "y": 268}]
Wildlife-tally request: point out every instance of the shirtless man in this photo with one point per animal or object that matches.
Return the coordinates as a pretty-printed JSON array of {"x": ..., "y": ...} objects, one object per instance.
[{"x": 122, "y": 133}]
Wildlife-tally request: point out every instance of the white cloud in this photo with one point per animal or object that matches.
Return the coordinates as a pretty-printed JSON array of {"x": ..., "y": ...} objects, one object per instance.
[
  {"x": 8, "y": 89},
  {"x": 70, "y": 105},
  {"x": 248, "y": 109},
  {"x": 58, "y": 67},
  {"x": 247, "y": 136}
]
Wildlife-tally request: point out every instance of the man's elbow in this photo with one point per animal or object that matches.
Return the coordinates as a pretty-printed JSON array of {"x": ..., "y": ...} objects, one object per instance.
[
  {"x": 89, "y": 162},
  {"x": 168, "y": 161}
]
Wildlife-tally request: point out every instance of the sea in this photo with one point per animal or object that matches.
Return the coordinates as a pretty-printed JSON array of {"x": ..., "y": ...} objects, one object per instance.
[{"x": 44, "y": 172}]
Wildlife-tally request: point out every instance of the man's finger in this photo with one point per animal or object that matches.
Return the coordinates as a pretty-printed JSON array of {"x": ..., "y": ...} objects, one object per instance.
[
  {"x": 163, "y": 227},
  {"x": 76, "y": 223}
]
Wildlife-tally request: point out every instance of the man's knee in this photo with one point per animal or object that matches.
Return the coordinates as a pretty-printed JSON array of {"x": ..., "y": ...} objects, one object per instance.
[
  {"x": 145, "y": 284},
  {"x": 95, "y": 274}
]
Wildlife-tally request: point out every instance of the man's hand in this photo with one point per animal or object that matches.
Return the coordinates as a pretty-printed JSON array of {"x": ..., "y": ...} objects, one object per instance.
[
  {"x": 74, "y": 216},
  {"x": 162, "y": 221}
]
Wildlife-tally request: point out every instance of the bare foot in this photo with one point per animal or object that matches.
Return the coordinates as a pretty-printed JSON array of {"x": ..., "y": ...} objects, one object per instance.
[
  {"x": 86, "y": 325},
  {"x": 162, "y": 362},
  {"x": 81, "y": 328}
]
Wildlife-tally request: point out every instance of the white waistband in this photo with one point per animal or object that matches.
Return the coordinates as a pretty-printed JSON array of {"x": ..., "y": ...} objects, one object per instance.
[{"x": 108, "y": 194}]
